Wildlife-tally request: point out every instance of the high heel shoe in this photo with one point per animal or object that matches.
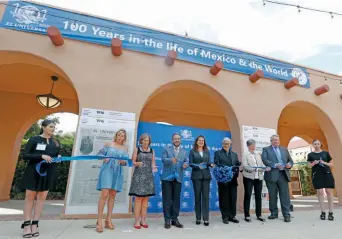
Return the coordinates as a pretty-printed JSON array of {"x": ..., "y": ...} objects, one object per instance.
[
  {"x": 143, "y": 225},
  {"x": 99, "y": 228},
  {"x": 109, "y": 225},
  {"x": 26, "y": 224},
  {"x": 330, "y": 216},
  {"x": 137, "y": 226},
  {"x": 322, "y": 216},
  {"x": 35, "y": 223}
]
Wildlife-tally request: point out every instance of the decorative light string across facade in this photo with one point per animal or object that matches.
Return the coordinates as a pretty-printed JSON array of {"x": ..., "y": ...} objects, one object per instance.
[
  {"x": 174, "y": 43},
  {"x": 332, "y": 14}
]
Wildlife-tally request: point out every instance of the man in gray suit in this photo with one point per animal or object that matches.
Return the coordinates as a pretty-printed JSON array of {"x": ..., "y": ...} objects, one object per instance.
[
  {"x": 277, "y": 179},
  {"x": 174, "y": 162}
]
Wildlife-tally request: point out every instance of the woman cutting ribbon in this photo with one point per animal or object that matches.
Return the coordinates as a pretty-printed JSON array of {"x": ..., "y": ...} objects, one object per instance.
[
  {"x": 142, "y": 185},
  {"x": 253, "y": 176},
  {"x": 111, "y": 177},
  {"x": 38, "y": 148}
]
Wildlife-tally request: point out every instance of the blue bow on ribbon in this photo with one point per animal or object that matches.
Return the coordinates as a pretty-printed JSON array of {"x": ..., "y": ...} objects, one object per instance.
[{"x": 77, "y": 158}]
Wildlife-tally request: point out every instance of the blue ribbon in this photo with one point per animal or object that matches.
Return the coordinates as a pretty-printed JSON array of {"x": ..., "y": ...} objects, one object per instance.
[{"x": 77, "y": 158}]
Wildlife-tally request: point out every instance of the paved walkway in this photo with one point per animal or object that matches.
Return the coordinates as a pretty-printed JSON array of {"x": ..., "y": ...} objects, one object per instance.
[{"x": 304, "y": 225}]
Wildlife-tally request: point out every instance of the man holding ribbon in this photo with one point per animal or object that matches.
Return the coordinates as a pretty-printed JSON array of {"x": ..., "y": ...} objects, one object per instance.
[
  {"x": 174, "y": 162},
  {"x": 278, "y": 178}
]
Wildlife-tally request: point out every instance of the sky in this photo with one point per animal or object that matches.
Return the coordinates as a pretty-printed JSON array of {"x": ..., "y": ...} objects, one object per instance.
[{"x": 308, "y": 38}]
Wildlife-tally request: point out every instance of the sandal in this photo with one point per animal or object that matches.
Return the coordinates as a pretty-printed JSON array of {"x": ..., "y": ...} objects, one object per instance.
[
  {"x": 25, "y": 224},
  {"x": 323, "y": 216},
  {"x": 99, "y": 228},
  {"x": 36, "y": 234},
  {"x": 109, "y": 225},
  {"x": 330, "y": 216}
]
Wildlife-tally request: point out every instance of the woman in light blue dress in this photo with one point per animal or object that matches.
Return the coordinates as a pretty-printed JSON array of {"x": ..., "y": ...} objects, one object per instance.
[{"x": 111, "y": 177}]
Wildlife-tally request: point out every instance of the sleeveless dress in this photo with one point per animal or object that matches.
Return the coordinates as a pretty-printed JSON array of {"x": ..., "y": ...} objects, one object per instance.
[
  {"x": 142, "y": 184},
  {"x": 111, "y": 173}
]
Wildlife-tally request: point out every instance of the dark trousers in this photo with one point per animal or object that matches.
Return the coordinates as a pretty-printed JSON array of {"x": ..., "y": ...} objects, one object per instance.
[
  {"x": 171, "y": 199},
  {"x": 248, "y": 185},
  {"x": 281, "y": 186},
  {"x": 201, "y": 191},
  {"x": 227, "y": 199}
]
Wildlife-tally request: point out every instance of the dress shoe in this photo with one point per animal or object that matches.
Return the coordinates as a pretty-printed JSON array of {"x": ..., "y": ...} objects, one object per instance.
[
  {"x": 198, "y": 222},
  {"x": 225, "y": 221},
  {"x": 261, "y": 219},
  {"x": 271, "y": 217},
  {"x": 287, "y": 219},
  {"x": 176, "y": 223},
  {"x": 167, "y": 225},
  {"x": 234, "y": 220},
  {"x": 248, "y": 219},
  {"x": 206, "y": 223}
]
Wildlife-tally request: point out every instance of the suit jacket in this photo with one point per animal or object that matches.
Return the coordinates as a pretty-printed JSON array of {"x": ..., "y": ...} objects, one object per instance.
[
  {"x": 269, "y": 158},
  {"x": 248, "y": 161},
  {"x": 230, "y": 158},
  {"x": 169, "y": 168},
  {"x": 196, "y": 158}
]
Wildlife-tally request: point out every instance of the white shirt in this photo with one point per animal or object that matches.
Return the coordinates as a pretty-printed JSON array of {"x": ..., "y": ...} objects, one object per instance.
[
  {"x": 256, "y": 176},
  {"x": 201, "y": 153}
]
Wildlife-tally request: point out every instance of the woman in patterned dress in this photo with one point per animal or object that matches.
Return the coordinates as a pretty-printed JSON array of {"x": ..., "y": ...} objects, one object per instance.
[
  {"x": 142, "y": 185},
  {"x": 111, "y": 177}
]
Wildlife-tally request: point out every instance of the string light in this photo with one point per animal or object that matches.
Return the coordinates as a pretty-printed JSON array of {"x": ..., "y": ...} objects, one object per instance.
[
  {"x": 75, "y": 22},
  {"x": 332, "y": 14}
]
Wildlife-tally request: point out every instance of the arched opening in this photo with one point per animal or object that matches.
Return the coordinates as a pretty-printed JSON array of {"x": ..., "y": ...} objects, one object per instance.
[
  {"x": 307, "y": 122},
  {"x": 190, "y": 108},
  {"x": 190, "y": 103},
  {"x": 23, "y": 77}
]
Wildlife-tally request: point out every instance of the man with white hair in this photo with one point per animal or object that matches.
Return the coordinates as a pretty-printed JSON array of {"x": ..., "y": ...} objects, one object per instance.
[
  {"x": 228, "y": 191},
  {"x": 277, "y": 179}
]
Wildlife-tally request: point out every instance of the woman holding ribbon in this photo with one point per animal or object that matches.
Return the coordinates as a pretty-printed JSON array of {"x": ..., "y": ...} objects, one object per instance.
[
  {"x": 199, "y": 159},
  {"x": 227, "y": 161},
  {"x": 111, "y": 177},
  {"x": 253, "y": 176},
  {"x": 43, "y": 147},
  {"x": 320, "y": 161},
  {"x": 142, "y": 185}
]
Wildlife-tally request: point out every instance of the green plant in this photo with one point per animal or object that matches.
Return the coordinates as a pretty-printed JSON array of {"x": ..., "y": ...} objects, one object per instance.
[{"x": 306, "y": 181}]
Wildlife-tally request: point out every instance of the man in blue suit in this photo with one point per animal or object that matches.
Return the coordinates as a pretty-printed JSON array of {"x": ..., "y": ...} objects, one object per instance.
[{"x": 174, "y": 162}]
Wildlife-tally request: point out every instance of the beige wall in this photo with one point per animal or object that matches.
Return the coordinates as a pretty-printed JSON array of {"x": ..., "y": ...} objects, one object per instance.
[{"x": 184, "y": 94}]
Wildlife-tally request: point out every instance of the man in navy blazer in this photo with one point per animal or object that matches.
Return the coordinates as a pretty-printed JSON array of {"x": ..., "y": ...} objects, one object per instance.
[
  {"x": 174, "y": 160},
  {"x": 277, "y": 179}
]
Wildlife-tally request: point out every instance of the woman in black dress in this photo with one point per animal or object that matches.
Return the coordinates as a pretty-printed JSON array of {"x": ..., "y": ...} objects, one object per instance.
[
  {"x": 322, "y": 178},
  {"x": 37, "y": 149}
]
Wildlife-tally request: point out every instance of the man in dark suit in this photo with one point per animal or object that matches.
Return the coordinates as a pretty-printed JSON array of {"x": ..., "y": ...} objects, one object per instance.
[
  {"x": 228, "y": 191},
  {"x": 174, "y": 162},
  {"x": 278, "y": 178}
]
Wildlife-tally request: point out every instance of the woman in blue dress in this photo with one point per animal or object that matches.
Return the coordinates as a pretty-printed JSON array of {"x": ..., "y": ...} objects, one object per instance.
[{"x": 111, "y": 177}]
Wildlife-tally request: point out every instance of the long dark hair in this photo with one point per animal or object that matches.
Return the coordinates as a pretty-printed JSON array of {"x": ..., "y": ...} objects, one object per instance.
[
  {"x": 195, "y": 147},
  {"x": 46, "y": 123}
]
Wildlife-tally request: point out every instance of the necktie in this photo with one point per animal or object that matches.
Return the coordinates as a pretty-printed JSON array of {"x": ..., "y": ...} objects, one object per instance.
[{"x": 277, "y": 151}]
